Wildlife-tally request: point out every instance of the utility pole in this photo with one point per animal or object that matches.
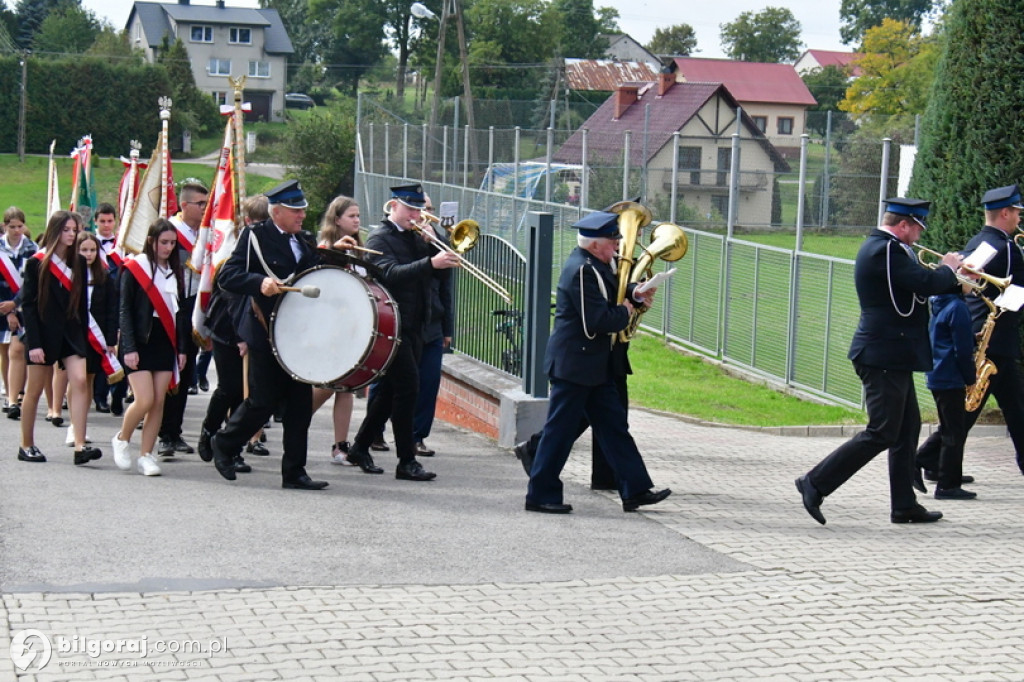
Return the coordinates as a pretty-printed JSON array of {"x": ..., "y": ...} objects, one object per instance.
[
  {"x": 452, "y": 7},
  {"x": 21, "y": 108}
]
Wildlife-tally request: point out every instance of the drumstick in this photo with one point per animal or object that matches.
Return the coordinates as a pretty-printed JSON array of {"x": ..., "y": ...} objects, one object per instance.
[
  {"x": 366, "y": 250},
  {"x": 309, "y": 291}
]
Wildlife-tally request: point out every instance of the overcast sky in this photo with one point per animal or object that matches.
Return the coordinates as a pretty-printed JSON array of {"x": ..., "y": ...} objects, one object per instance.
[{"x": 639, "y": 18}]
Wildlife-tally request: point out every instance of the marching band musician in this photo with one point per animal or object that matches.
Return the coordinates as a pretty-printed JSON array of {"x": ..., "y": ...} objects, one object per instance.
[
  {"x": 890, "y": 344},
  {"x": 579, "y": 365},
  {"x": 408, "y": 264},
  {"x": 267, "y": 254},
  {"x": 1002, "y": 216}
]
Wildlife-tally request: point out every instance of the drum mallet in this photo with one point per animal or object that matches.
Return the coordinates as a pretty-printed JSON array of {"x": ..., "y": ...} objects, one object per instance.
[{"x": 309, "y": 291}]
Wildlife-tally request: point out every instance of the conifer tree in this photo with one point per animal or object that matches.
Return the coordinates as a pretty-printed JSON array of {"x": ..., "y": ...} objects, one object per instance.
[{"x": 972, "y": 129}]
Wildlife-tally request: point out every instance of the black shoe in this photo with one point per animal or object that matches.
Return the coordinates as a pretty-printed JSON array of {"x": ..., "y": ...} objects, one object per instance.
[
  {"x": 240, "y": 466},
  {"x": 165, "y": 448},
  {"x": 954, "y": 494},
  {"x": 413, "y": 471},
  {"x": 33, "y": 454},
  {"x": 204, "y": 385},
  {"x": 56, "y": 421},
  {"x": 919, "y": 482},
  {"x": 14, "y": 412},
  {"x": 811, "y": 498},
  {"x": 116, "y": 406},
  {"x": 205, "y": 452},
  {"x": 257, "y": 448},
  {"x": 178, "y": 445},
  {"x": 224, "y": 461},
  {"x": 422, "y": 450},
  {"x": 631, "y": 504},
  {"x": 304, "y": 482},
  {"x": 379, "y": 445},
  {"x": 263, "y": 436},
  {"x": 101, "y": 406},
  {"x": 87, "y": 454},
  {"x": 193, "y": 390},
  {"x": 916, "y": 514},
  {"x": 934, "y": 476},
  {"x": 361, "y": 457},
  {"x": 524, "y": 456},
  {"x": 549, "y": 508}
]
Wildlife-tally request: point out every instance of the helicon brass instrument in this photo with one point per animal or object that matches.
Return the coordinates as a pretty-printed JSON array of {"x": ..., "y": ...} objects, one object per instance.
[
  {"x": 983, "y": 367},
  {"x": 466, "y": 239}
]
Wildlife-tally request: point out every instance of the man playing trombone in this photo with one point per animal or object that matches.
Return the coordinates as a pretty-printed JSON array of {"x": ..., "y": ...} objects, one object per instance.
[
  {"x": 408, "y": 264},
  {"x": 1002, "y": 217},
  {"x": 890, "y": 344}
]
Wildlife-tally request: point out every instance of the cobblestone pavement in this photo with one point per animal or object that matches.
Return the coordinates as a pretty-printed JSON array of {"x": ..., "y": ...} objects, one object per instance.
[{"x": 729, "y": 579}]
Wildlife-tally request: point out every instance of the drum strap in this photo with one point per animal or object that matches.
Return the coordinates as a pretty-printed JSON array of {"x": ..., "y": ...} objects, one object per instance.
[{"x": 254, "y": 245}]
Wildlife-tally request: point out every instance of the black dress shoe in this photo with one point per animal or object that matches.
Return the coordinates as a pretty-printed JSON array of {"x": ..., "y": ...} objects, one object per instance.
[
  {"x": 204, "y": 385},
  {"x": 549, "y": 508},
  {"x": 193, "y": 390},
  {"x": 14, "y": 412},
  {"x": 56, "y": 421},
  {"x": 954, "y": 494},
  {"x": 919, "y": 482},
  {"x": 361, "y": 457},
  {"x": 413, "y": 471},
  {"x": 304, "y": 482},
  {"x": 101, "y": 406},
  {"x": 934, "y": 476},
  {"x": 379, "y": 445},
  {"x": 205, "y": 451},
  {"x": 524, "y": 456},
  {"x": 181, "y": 446},
  {"x": 257, "y": 448},
  {"x": 240, "y": 466},
  {"x": 87, "y": 454},
  {"x": 32, "y": 454},
  {"x": 224, "y": 461},
  {"x": 422, "y": 450},
  {"x": 915, "y": 514},
  {"x": 631, "y": 504},
  {"x": 811, "y": 498}
]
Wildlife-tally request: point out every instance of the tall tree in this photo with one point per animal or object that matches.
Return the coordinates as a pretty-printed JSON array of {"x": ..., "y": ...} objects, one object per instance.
[
  {"x": 679, "y": 40},
  {"x": 771, "y": 35},
  {"x": 70, "y": 29},
  {"x": 358, "y": 28},
  {"x": 858, "y": 16},
  {"x": 507, "y": 32},
  {"x": 580, "y": 33},
  {"x": 114, "y": 44},
  {"x": 828, "y": 86},
  {"x": 31, "y": 14},
  {"x": 973, "y": 119},
  {"x": 191, "y": 108}
]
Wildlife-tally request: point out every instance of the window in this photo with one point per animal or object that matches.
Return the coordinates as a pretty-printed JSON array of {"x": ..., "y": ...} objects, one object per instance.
[
  {"x": 259, "y": 69},
  {"x": 219, "y": 67},
  {"x": 724, "y": 164},
  {"x": 785, "y": 126},
  {"x": 761, "y": 122},
  {"x": 202, "y": 34},
  {"x": 689, "y": 162},
  {"x": 220, "y": 97},
  {"x": 720, "y": 204},
  {"x": 240, "y": 36}
]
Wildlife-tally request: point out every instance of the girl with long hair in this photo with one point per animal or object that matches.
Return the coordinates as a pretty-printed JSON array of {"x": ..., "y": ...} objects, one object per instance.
[
  {"x": 16, "y": 248},
  {"x": 55, "y": 307},
  {"x": 153, "y": 330}
]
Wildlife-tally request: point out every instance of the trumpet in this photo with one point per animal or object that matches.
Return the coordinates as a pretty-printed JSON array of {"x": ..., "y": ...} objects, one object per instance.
[
  {"x": 467, "y": 240},
  {"x": 974, "y": 284}
]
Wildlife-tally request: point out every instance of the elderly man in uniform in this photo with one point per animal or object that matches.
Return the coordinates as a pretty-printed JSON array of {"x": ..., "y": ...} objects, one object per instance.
[
  {"x": 1002, "y": 216},
  {"x": 578, "y": 363},
  {"x": 266, "y": 255},
  {"x": 890, "y": 344}
]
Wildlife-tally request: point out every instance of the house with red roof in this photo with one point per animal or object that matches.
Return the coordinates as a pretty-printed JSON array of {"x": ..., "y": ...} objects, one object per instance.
[
  {"x": 705, "y": 117},
  {"x": 812, "y": 60},
  {"x": 772, "y": 94}
]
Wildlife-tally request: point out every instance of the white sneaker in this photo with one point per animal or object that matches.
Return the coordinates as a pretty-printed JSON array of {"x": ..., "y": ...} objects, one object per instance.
[
  {"x": 340, "y": 458},
  {"x": 69, "y": 440},
  {"x": 122, "y": 458},
  {"x": 147, "y": 465}
]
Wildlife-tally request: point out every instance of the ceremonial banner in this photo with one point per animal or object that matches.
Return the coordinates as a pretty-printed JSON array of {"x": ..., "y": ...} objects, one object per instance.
[
  {"x": 52, "y": 189},
  {"x": 83, "y": 191},
  {"x": 155, "y": 194}
]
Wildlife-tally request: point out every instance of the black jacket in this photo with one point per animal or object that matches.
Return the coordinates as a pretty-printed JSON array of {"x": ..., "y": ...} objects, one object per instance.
[
  {"x": 1007, "y": 262},
  {"x": 137, "y": 320},
  {"x": 47, "y": 328},
  {"x": 407, "y": 273}
]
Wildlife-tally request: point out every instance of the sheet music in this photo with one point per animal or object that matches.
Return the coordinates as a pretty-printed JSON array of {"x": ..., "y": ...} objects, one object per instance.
[{"x": 654, "y": 281}]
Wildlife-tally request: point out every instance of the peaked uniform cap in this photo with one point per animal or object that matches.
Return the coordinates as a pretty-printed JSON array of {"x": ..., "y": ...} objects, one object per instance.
[
  {"x": 410, "y": 195},
  {"x": 1002, "y": 197},
  {"x": 599, "y": 224},
  {"x": 288, "y": 194},
  {"x": 912, "y": 208}
]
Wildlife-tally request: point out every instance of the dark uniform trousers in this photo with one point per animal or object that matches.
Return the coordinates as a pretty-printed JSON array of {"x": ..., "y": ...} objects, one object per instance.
[
  {"x": 570, "y": 404},
  {"x": 229, "y": 391},
  {"x": 950, "y": 437},
  {"x": 395, "y": 397},
  {"x": 269, "y": 383},
  {"x": 894, "y": 423},
  {"x": 174, "y": 403}
]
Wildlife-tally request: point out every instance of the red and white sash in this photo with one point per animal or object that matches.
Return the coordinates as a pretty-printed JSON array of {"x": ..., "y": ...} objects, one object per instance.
[
  {"x": 60, "y": 270},
  {"x": 112, "y": 253},
  {"x": 184, "y": 241},
  {"x": 140, "y": 269},
  {"x": 10, "y": 273}
]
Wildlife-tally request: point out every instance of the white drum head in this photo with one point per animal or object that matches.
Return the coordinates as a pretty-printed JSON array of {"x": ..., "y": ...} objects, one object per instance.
[{"x": 320, "y": 340}]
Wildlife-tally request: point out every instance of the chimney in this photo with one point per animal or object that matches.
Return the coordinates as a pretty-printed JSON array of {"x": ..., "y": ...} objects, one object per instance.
[
  {"x": 220, "y": 4},
  {"x": 665, "y": 82},
  {"x": 624, "y": 98},
  {"x": 183, "y": 2}
]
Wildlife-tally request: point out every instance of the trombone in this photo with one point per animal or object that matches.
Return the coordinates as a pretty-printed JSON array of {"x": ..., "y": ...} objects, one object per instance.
[
  {"x": 467, "y": 239},
  {"x": 975, "y": 284}
]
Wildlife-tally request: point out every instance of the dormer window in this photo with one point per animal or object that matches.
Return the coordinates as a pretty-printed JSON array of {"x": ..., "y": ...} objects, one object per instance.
[
  {"x": 201, "y": 34},
  {"x": 240, "y": 36}
]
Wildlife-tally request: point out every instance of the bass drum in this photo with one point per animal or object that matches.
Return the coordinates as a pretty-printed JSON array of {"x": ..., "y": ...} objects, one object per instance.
[{"x": 344, "y": 339}]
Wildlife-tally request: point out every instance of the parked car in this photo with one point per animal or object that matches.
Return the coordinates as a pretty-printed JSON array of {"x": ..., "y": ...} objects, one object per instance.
[{"x": 298, "y": 100}]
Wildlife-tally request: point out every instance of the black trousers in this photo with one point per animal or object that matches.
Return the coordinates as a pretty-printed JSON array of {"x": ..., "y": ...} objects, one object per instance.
[
  {"x": 228, "y": 395},
  {"x": 269, "y": 385},
  {"x": 174, "y": 404},
  {"x": 894, "y": 423},
  {"x": 395, "y": 399},
  {"x": 948, "y": 458},
  {"x": 1005, "y": 386}
]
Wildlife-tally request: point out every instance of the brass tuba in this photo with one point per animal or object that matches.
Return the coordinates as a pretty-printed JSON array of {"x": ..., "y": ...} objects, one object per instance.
[
  {"x": 632, "y": 218},
  {"x": 669, "y": 243}
]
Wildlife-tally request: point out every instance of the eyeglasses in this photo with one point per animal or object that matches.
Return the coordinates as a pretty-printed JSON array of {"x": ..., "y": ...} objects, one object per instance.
[{"x": 200, "y": 204}]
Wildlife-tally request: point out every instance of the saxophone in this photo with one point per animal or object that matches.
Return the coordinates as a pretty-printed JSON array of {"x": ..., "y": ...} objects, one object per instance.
[{"x": 983, "y": 367}]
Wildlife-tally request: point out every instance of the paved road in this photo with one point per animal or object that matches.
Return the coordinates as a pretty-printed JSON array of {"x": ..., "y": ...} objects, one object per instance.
[{"x": 378, "y": 579}]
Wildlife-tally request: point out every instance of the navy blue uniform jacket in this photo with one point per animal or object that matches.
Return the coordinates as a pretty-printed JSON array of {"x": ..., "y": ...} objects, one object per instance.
[{"x": 1008, "y": 262}]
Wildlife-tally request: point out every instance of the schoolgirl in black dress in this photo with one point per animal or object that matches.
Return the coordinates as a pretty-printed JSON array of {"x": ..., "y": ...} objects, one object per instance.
[
  {"x": 153, "y": 332},
  {"x": 15, "y": 248},
  {"x": 100, "y": 357},
  {"x": 54, "y": 305}
]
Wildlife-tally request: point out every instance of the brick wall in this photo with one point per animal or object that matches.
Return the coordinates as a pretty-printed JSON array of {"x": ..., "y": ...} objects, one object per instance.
[{"x": 471, "y": 408}]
